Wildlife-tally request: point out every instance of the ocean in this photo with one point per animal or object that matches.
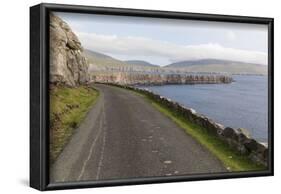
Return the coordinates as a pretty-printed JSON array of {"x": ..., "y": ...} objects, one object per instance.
[{"x": 241, "y": 104}]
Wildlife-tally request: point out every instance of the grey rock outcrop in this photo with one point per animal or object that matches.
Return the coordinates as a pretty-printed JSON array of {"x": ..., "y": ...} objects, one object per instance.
[{"x": 68, "y": 64}]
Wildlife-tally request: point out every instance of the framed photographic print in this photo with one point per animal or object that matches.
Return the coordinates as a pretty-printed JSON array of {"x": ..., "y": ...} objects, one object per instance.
[{"x": 126, "y": 96}]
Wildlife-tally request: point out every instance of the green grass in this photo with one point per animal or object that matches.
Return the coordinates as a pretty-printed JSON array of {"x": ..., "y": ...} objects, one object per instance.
[
  {"x": 231, "y": 159},
  {"x": 68, "y": 107}
]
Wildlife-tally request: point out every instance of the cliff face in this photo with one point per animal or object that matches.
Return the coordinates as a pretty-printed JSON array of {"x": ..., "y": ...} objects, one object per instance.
[
  {"x": 67, "y": 62},
  {"x": 158, "y": 79}
]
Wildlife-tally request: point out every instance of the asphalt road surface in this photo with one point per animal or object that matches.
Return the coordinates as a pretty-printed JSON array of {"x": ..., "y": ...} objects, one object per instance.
[{"x": 124, "y": 136}]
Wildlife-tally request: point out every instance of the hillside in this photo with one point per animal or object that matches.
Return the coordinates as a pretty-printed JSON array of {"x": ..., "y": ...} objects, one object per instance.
[
  {"x": 140, "y": 63},
  {"x": 101, "y": 62},
  {"x": 204, "y": 62},
  {"x": 218, "y": 66},
  {"x": 99, "y": 55}
]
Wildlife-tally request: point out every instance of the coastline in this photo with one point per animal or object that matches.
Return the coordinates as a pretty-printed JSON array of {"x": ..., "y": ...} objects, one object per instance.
[
  {"x": 125, "y": 78},
  {"x": 241, "y": 104}
]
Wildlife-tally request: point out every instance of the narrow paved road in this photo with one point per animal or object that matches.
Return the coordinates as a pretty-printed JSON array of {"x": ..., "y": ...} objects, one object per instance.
[{"x": 123, "y": 136}]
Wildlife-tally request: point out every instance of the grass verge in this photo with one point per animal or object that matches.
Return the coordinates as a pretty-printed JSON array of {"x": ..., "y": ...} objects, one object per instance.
[
  {"x": 232, "y": 160},
  {"x": 68, "y": 107}
]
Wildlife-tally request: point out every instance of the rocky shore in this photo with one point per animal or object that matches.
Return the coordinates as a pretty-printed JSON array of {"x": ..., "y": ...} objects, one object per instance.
[{"x": 124, "y": 78}]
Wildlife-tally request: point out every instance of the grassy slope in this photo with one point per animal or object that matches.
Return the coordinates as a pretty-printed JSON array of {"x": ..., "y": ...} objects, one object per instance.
[
  {"x": 102, "y": 61},
  {"x": 231, "y": 159},
  {"x": 68, "y": 107}
]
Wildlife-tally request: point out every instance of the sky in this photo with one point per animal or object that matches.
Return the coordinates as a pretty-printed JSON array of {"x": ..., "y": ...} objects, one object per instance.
[{"x": 165, "y": 41}]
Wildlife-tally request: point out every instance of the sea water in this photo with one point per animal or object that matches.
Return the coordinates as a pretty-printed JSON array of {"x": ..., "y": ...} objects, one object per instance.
[{"x": 241, "y": 104}]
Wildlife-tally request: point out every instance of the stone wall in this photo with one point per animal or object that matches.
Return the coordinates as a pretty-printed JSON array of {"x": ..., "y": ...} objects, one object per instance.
[
  {"x": 238, "y": 139},
  {"x": 123, "y": 78}
]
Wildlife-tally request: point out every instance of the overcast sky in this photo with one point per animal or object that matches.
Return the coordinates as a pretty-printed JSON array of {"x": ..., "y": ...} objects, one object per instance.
[{"x": 164, "y": 41}]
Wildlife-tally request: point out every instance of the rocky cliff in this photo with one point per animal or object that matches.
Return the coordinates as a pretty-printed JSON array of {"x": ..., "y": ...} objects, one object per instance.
[
  {"x": 67, "y": 62},
  {"x": 157, "y": 79}
]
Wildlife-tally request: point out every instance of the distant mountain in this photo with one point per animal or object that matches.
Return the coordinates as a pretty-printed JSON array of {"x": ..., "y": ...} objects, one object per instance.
[
  {"x": 140, "y": 63},
  {"x": 103, "y": 62},
  {"x": 101, "y": 59},
  {"x": 98, "y": 55},
  {"x": 219, "y": 66},
  {"x": 205, "y": 62}
]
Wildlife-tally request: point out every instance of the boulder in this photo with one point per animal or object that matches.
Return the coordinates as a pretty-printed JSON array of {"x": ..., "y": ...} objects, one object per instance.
[
  {"x": 229, "y": 133},
  {"x": 212, "y": 126},
  {"x": 244, "y": 131},
  {"x": 252, "y": 145},
  {"x": 68, "y": 64}
]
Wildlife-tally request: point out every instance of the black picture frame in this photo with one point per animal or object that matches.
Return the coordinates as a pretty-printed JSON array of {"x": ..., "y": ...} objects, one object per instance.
[{"x": 39, "y": 95}]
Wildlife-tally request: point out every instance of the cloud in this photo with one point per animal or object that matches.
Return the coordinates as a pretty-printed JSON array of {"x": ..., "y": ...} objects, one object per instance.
[
  {"x": 230, "y": 35},
  {"x": 145, "y": 47}
]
